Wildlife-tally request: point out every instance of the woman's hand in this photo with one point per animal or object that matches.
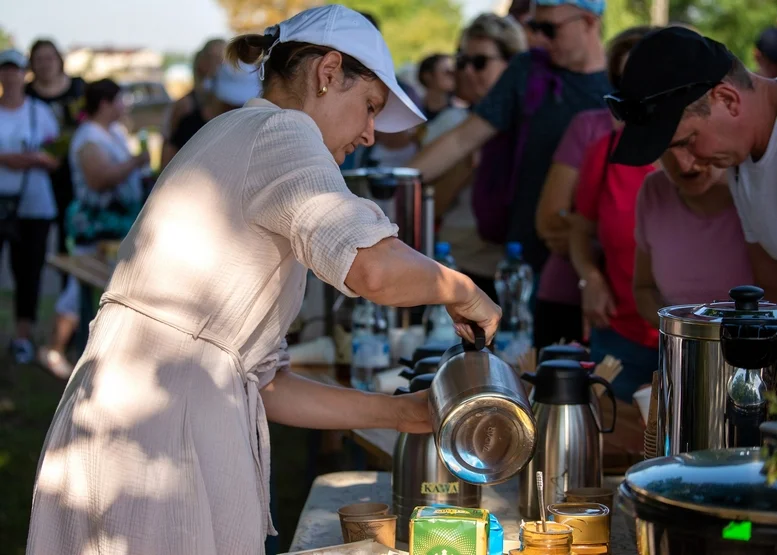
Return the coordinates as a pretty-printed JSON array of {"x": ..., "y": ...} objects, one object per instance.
[
  {"x": 141, "y": 159},
  {"x": 556, "y": 234},
  {"x": 412, "y": 412},
  {"x": 481, "y": 310},
  {"x": 598, "y": 302},
  {"x": 43, "y": 159}
]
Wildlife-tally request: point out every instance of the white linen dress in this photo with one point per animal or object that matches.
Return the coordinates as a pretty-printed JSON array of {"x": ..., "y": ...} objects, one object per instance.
[{"x": 160, "y": 442}]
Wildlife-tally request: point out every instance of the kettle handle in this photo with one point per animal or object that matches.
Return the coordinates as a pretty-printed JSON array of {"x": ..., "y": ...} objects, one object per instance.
[
  {"x": 611, "y": 394},
  {"x": 480, "y": 339}
]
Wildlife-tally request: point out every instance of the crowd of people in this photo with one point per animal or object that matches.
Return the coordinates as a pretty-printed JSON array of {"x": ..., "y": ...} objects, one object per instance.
[
  {"x": 611, "y": 238},
  {"x": 518, "y": 143},
  {"x": 635, "y": 176},
  {"x": 66, "y": 163}
]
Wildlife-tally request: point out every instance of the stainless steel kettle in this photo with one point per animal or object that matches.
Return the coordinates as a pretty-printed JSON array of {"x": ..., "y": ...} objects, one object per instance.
[
  {"x": 569, "y": 447},
  {"x": 483, "y": 424},
  {"x": 419, "y": 477}
]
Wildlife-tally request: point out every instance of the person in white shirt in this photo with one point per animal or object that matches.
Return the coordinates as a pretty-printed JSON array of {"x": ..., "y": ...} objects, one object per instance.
[
  {"x": 689, "y": 94},
  {"x": 27, "y": 205},
  {"x": 108, "y": 195}
]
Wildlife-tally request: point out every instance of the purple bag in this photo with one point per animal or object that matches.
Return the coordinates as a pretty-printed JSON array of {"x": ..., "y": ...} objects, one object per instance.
[{"x": 497, "y": 175}]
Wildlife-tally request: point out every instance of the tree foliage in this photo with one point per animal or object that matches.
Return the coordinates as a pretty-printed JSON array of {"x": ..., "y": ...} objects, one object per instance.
[
  {"x": 736, "y": 23},
  {"x": 413, "y": 28},
  {"x": 252, "y": 16},
  {"x": 6, "y": 40}
]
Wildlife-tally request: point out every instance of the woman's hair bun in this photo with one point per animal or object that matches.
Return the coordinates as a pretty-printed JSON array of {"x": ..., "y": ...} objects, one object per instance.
[{"x": 248, "y": 49}]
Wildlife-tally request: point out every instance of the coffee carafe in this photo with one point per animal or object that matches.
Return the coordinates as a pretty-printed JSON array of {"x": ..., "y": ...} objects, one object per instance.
[
  {"x": 568, "y": 441},
  {"x": 483, "y": 423},
  {"x": 750, "y": 347},
  {"x": 419, "y": 477}
]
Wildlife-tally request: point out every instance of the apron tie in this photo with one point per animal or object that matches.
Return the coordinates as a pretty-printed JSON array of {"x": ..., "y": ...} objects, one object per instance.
[{"x": 259, "y": 432}]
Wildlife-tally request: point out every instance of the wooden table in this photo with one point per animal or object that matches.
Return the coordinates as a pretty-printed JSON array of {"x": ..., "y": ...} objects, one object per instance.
[
  {"x": 87, "y": 269},
  {"x": 319, "y": 525},
  {"x": 93, "y": 274}
]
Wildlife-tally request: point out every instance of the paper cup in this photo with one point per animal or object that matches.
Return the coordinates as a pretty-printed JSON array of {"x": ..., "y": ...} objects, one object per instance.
[
  {"x": 642, "y": 399},
  {"x": 381, "y": 528},
  {"x": 357, "y": 510}
]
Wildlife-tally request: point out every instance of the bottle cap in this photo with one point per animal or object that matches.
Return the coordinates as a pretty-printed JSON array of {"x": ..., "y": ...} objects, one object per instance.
[
  {"x": 514, "y": 249},
  {"x": 442, "y": 249}
]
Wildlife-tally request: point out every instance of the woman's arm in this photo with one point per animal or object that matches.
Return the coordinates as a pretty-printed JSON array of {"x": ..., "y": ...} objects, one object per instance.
[
  {"x": 26, "y": 160},
  {"x": 555, "y": 204},
  {"x": 448, "y": 187},
  {"x": 442, "y": 154},
  {"x": 18, "y": 160},
  {"x": 100, "y": 173},
  {"x": 646, "y": 294},
  {"x": 598, "y": 303},
  {"x": 394, "y": 274},
  {"x": 296, "y": 401}
]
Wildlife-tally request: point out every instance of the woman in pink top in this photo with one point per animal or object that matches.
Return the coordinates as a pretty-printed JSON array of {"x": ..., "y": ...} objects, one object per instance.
[
  {"x": 558, "y": 314},
  {"x": 690, "y": 245},
  {"x": 606, "y": 200}
]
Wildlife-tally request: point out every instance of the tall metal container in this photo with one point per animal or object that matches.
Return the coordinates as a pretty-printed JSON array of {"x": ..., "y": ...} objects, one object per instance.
[
  {"x": 407, "y": 202},
  {"x": 694, "y": 407},
  {"x": 402, "y": 196}
]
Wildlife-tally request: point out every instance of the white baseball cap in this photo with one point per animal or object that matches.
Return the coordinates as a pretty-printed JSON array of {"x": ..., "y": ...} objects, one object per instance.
[
  {"x": 236, "y": 85},
  {"x": 351, "y": 33},
  {"x": 14, "y": 57}
]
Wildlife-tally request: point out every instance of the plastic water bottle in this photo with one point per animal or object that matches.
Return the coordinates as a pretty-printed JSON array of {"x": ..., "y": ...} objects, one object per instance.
[
  {"x": 370, "y": 344},
  {"x": 438, "y": 324},
  {"x": 442, "y": 254},
  {"x": 514, "y": 284}
]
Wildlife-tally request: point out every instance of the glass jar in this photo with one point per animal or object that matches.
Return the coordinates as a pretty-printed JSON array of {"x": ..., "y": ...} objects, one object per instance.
[
  {"x": 556, "y": 540},
  {"x": 600, "y": 549},
  {"x": 590, "y": 523}
]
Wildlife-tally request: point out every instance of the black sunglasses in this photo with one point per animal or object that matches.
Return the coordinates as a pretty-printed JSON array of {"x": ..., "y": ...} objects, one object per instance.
[
  {"x": 645, "y": 109},
  {"x": 478, "y": 61},
  {"x": 549, "y": 28}
]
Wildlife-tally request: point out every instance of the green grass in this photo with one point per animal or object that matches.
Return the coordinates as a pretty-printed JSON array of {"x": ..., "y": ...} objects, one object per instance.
[{"x": 28, "y": 398}]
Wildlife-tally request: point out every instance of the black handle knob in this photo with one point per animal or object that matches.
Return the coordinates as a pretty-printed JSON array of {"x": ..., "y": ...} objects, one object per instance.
[
  {"x": 480, "y": 339},
  {"x": 746, "y": 297}
]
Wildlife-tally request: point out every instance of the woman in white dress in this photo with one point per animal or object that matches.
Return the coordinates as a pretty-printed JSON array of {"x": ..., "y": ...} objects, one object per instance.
[{"x": 160, "y": 443}]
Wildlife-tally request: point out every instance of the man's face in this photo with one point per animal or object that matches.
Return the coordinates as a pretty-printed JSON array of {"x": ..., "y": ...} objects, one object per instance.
[
  {"x": 566, "y": 29},
  {"x": 714, "y": 140}
]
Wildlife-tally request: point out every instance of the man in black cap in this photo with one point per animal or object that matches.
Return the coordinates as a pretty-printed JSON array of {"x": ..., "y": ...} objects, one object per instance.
[
  {"x": 688, "y": 94},
  {"x": 766, "y": 53}
]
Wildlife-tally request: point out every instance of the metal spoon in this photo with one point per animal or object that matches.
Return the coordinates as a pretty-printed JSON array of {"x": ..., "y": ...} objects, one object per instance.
[{"x": 541, "y": 494}]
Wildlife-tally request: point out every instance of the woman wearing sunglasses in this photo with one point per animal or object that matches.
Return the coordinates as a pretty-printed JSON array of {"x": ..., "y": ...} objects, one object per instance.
[
  {"x": 558, "y": 314},
  {"x": 484, "y": 53}
]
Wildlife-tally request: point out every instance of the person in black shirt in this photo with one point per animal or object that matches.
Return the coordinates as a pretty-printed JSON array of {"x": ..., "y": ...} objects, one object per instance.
[
  {"x": 232, "y": 87},
  {"x": 65, "y": 96}
]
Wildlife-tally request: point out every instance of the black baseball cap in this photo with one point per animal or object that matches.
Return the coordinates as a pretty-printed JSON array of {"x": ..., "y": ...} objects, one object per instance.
[
  {"x": 767, "y": 44},
  {"x": 666, "y": 71}
]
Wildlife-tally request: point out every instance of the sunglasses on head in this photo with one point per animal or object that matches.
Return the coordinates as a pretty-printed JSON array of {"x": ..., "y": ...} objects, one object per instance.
[
  {"x": 550, "y": 28},
  {"x": 646, "y": 109},
  {"x": 478, "y": 61}
]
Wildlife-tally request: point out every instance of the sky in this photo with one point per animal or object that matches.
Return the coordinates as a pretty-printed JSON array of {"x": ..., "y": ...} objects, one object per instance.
[{"x": 167, "y": 25}]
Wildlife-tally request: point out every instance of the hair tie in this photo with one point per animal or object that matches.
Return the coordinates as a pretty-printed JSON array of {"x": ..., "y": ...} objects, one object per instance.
[{"x": 275, "y": 32}]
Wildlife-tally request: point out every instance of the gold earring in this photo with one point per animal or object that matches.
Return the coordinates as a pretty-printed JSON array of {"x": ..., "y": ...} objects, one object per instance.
[{"x": 322, "y": 92}]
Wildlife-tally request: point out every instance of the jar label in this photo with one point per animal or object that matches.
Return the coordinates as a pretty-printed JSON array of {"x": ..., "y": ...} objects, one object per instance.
[{"x": 431, "y": 488}]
